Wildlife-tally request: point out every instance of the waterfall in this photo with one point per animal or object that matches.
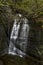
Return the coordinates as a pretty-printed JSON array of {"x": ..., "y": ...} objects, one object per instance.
[
  {"x": 15, "y": 29},
  {"x": 24, "y": 35},
  {"x": 19, "y": 37}
]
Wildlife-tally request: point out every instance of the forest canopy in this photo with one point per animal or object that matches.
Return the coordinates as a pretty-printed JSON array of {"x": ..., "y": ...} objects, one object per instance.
[{"x": 33, "y": 7}]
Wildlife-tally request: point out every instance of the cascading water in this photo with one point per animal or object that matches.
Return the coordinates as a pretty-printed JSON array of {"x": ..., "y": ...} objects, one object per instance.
[
  {"x": 19, "y": 37},
  {"x": 25, "y": 39}
]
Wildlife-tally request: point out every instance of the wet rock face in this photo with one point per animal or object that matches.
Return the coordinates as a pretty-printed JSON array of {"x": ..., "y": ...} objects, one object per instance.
[
  {"x": 33, "y": 41},
  {"x": 3, "y": 38},
  {"x": 34, "y": 46}
]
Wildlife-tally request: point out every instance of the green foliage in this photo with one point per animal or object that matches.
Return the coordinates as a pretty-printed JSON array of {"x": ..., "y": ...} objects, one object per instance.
[{"x": 31, "y": 6}]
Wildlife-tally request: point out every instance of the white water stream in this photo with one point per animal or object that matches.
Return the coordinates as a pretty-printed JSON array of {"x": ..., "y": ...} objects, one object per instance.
[{"x": 21, "y": 40}]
